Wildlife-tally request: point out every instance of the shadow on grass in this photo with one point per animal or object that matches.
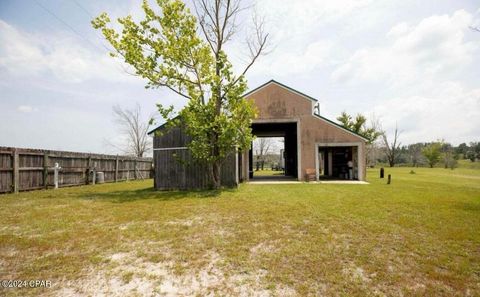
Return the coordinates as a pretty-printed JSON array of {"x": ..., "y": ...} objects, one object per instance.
[
  {"x": 469, "y": 206},
  {"x": 151, "y": 193}
]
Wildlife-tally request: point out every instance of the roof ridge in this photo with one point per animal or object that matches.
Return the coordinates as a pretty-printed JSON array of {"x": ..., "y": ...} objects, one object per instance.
[{"x": 281, "y": 85}]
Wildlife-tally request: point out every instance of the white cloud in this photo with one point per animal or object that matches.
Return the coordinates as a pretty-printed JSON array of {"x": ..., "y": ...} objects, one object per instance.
[
  {"x": 435, "y": 46},
  {"x": 298, "y": 42},
  {"x": 448, "y": 111},
  {"x": 398, "y": 30},
  {"x": 25, "y": 108},
  {"x": 294, "y": 61},
  {"x": 25, "y": 55},
  {"x": 293, "y": 18}
]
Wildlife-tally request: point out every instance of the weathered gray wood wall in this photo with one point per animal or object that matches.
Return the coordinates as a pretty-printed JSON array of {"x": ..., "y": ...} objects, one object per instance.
[
  {"x": 176, "y": 168},
  {"x": 30, "y": 169}
]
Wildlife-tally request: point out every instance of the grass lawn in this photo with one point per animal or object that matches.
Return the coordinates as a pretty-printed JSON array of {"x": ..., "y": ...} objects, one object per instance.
[
  {"x": 419, "y": 236},
  {"x": 268, "y": 172}
]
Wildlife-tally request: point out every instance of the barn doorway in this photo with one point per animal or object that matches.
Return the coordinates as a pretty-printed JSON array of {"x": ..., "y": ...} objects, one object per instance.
[
  {"x": 337, "y": 162},
  {"x": 268, "y": 157},
  {"x": 281, "y": 162}
]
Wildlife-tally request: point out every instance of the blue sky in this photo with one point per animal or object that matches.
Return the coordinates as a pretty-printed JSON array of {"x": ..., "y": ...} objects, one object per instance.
[{"x": 411, "y": 63}]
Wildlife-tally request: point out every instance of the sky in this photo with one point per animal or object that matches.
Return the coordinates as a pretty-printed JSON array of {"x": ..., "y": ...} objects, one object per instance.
[{"x": 411, "y": 64}]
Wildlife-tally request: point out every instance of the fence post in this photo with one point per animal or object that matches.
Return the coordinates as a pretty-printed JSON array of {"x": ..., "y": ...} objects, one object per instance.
[
  {"x": 45, "y": 170},
  {"x": 16, "y": 171},
  {"x": 128, "y": 170},
  {"x": 94, "y": 176},
  {"x": 116, "y": 169},
  {"x": 89, "y": 166},
  {"x": 55, "y": 175},
  {"x": 135, "y": 169}
]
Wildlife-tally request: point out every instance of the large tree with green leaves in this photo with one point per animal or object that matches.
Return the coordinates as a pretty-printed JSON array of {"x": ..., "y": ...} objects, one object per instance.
[
  {"x": 359, "y": 125},
  {"x": 370, "y": 131},
  {"x": 433, "y": 153},
  {"x": 173, "y": 48}
]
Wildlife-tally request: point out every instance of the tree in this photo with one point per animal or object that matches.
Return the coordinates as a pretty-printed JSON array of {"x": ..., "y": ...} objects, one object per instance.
[
  {"x": 392, "y": 149},
  {"x": 450, "y": 157},
  {"x": 262, "y": 147},
  {"x": 462, "y": 149},
  {"x": 134, "y": 128},
  {"x": 359, "y": 125},
  {"x": 475, "y": 147},
  {"x": 471, "y": 155},
  {"x": 415, "y": 153},
  {"x": 433, "y": 152},
  {"x": 186, "y": 54}
]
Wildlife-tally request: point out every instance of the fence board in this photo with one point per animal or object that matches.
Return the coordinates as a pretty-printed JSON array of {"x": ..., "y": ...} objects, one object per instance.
[{"x": 35, "y": 168}]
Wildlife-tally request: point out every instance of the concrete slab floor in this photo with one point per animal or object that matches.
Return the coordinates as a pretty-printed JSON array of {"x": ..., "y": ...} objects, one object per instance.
[
  {"x": 344, "y": 182},
  {"x": 278, "y": 182}
]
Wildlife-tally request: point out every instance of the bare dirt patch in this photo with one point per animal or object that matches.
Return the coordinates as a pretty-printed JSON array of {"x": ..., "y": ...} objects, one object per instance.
[{"x": 127, "y": 274}]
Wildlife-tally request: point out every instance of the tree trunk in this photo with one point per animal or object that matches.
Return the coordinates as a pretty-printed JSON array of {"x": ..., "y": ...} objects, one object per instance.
[
  {"x": 215, "y": 175},
  {"x": 391, "y": 162}
]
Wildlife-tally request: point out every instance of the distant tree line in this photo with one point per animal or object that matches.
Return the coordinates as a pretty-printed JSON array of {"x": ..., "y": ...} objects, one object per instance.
[
  {"x": 431, "y": 154},
  {"x": 384, "y": 148}
]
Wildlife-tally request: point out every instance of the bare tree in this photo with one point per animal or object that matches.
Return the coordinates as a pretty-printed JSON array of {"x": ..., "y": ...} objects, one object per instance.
[
  {"x": 218, "y": 23},
  {"x": 415, "y": 153},
  {"x": 134, "y": 128},
  {"x": 262, "y": 147},
  {"x": 392, "y": 149},
  {"x": 374, "y": 131},
  {"x": 372, "y": 153}
]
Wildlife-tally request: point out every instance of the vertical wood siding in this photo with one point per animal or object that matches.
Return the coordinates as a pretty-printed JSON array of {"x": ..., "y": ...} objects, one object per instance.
[{"x": 176, "y": 168}]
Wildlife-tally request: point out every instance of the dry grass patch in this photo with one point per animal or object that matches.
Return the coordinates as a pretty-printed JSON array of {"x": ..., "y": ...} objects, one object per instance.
[
  {"x": 416, "y": 237},
  {"x": 129, "y": 275}
]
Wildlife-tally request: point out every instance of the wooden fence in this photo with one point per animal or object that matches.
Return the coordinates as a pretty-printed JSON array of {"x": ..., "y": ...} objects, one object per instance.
[{"x": 30, "y": 169}]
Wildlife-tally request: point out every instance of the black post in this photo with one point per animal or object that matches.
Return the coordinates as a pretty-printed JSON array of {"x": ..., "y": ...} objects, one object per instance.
[
  {"x": 89, "y": 170},
  {"x": 389, "y": 179},
  {"x": 382, "y": 172}
]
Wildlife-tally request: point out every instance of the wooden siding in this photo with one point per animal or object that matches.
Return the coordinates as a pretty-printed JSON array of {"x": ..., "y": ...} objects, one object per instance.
[
  {"x": 171, "y": 137},
  {"x": 34, "y": 168},
  {"x": 176, "y": 168}
]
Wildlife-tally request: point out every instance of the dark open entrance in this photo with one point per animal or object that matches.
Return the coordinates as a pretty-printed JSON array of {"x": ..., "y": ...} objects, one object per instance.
[
  {"x": 338, "y": 163},
  {"x": 287, "y": 131}
]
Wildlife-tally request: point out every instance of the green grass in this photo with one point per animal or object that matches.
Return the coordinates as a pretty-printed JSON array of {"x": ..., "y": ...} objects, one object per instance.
[
  {"x": 419, "y": 236},
  {"x": 268, "y": 172},
  {"x": 469, "y": 164}
]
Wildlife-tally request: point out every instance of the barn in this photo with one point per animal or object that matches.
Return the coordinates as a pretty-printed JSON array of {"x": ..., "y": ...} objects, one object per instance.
[{"x": 313, "y": 145}]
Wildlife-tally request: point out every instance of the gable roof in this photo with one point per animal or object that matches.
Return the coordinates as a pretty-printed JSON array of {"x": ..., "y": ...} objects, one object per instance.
[
  {"x": 272, "y": 81},
  {"x": 160, "y": 126},
  {"x": 307, "y": 97},
  {"x": 339, "y": 126},
  {"x": 293, "y": 91}
]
